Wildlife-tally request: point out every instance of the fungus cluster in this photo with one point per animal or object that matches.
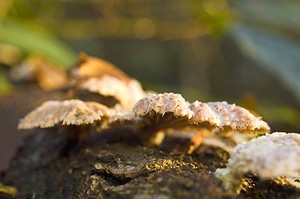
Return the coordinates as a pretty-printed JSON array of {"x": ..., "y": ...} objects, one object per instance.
[
  {"x": 100, "y": 95},
  {"x": 96, "y": 90}
]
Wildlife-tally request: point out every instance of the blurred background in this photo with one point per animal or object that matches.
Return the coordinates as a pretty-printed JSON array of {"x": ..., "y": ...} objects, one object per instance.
[{"x": 244, "y": 52}]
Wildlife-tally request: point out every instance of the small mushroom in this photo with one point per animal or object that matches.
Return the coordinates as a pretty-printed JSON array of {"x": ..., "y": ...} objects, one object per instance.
[
  {"x": 74, "y": 115},
  {"x": 112, "y": 86},
  {"x": 126, "y": 93},
  {"x": 157, "y": 112},
  {"x": 96, "y": 67},
  {"x": 227, "y": 117},
  {"x": 37, "y": 69},
  {"x": 268, "y": 157},
  {"x": 98, "y": 90},
  {"x": 162, "y": 104}
]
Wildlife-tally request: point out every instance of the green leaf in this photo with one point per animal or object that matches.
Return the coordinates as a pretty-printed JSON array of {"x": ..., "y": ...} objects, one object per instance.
[
  {"x": 33, "y": 41},
  {"x": 279, "y": 55}
]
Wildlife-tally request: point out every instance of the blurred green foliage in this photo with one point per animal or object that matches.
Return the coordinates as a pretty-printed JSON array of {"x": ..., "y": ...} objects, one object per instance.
[
  {"x": 279, "y": 55},
  {"x": 19, "y": 26},
  {"x": 32, "y": 41},
  {"x": 269, "y": 34}
]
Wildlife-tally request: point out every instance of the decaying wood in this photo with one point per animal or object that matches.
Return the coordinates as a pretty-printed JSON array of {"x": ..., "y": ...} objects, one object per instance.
[{"x": 114, "y": 164}]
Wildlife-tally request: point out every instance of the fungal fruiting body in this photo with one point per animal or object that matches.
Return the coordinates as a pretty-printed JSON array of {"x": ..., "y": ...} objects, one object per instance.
[
  {"x": 97, "y": 76},
  {"x": 227, "y": 116},
  {"x": 99, "y": 91},
  {"x": 37, "y": 69},
  {"x": 126, "y": 93},
  {"x": 161, "y": 104},
  {"x": 75, "y": 115},
  {"x": 163, "y": 109},
  {"x": 68, "y": 112},
  {"x": 212, "y": 114},
  {"x": 268, "y": 157},
  {"x": 96, "y": 67},
  {"x": 157, "y": 112}
]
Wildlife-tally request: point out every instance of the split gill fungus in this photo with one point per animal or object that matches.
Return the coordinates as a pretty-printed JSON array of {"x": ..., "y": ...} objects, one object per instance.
[{"x": 119, "y": 100}]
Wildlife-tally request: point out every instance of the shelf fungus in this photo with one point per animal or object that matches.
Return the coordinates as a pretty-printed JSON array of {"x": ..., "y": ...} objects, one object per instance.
[
  {"x": 103, "y": 81},
  {"x": 75, "y": 116},
  {"x": 95, "y": 67},
  {"x": 227, "y": 117},
  {"x": 156, "y": 113},
  {"x": 47, "y": 75},
  {"x": 126, "y": 93},
  {"x": 270, "y": 156}
]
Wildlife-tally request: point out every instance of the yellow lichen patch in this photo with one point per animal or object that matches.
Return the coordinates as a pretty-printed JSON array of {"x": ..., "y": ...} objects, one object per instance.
[
  {"x": 95, "y": 182},
  {"x": 166, "y": 164},
  {"x": 8, "y": 191}
]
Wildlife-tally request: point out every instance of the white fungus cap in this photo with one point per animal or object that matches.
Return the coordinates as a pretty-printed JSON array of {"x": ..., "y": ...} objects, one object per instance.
[
  {"x": 269, "y": 156},
  {"x": 212, "y": 114},
  {"x": 68, "y": 112}
]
